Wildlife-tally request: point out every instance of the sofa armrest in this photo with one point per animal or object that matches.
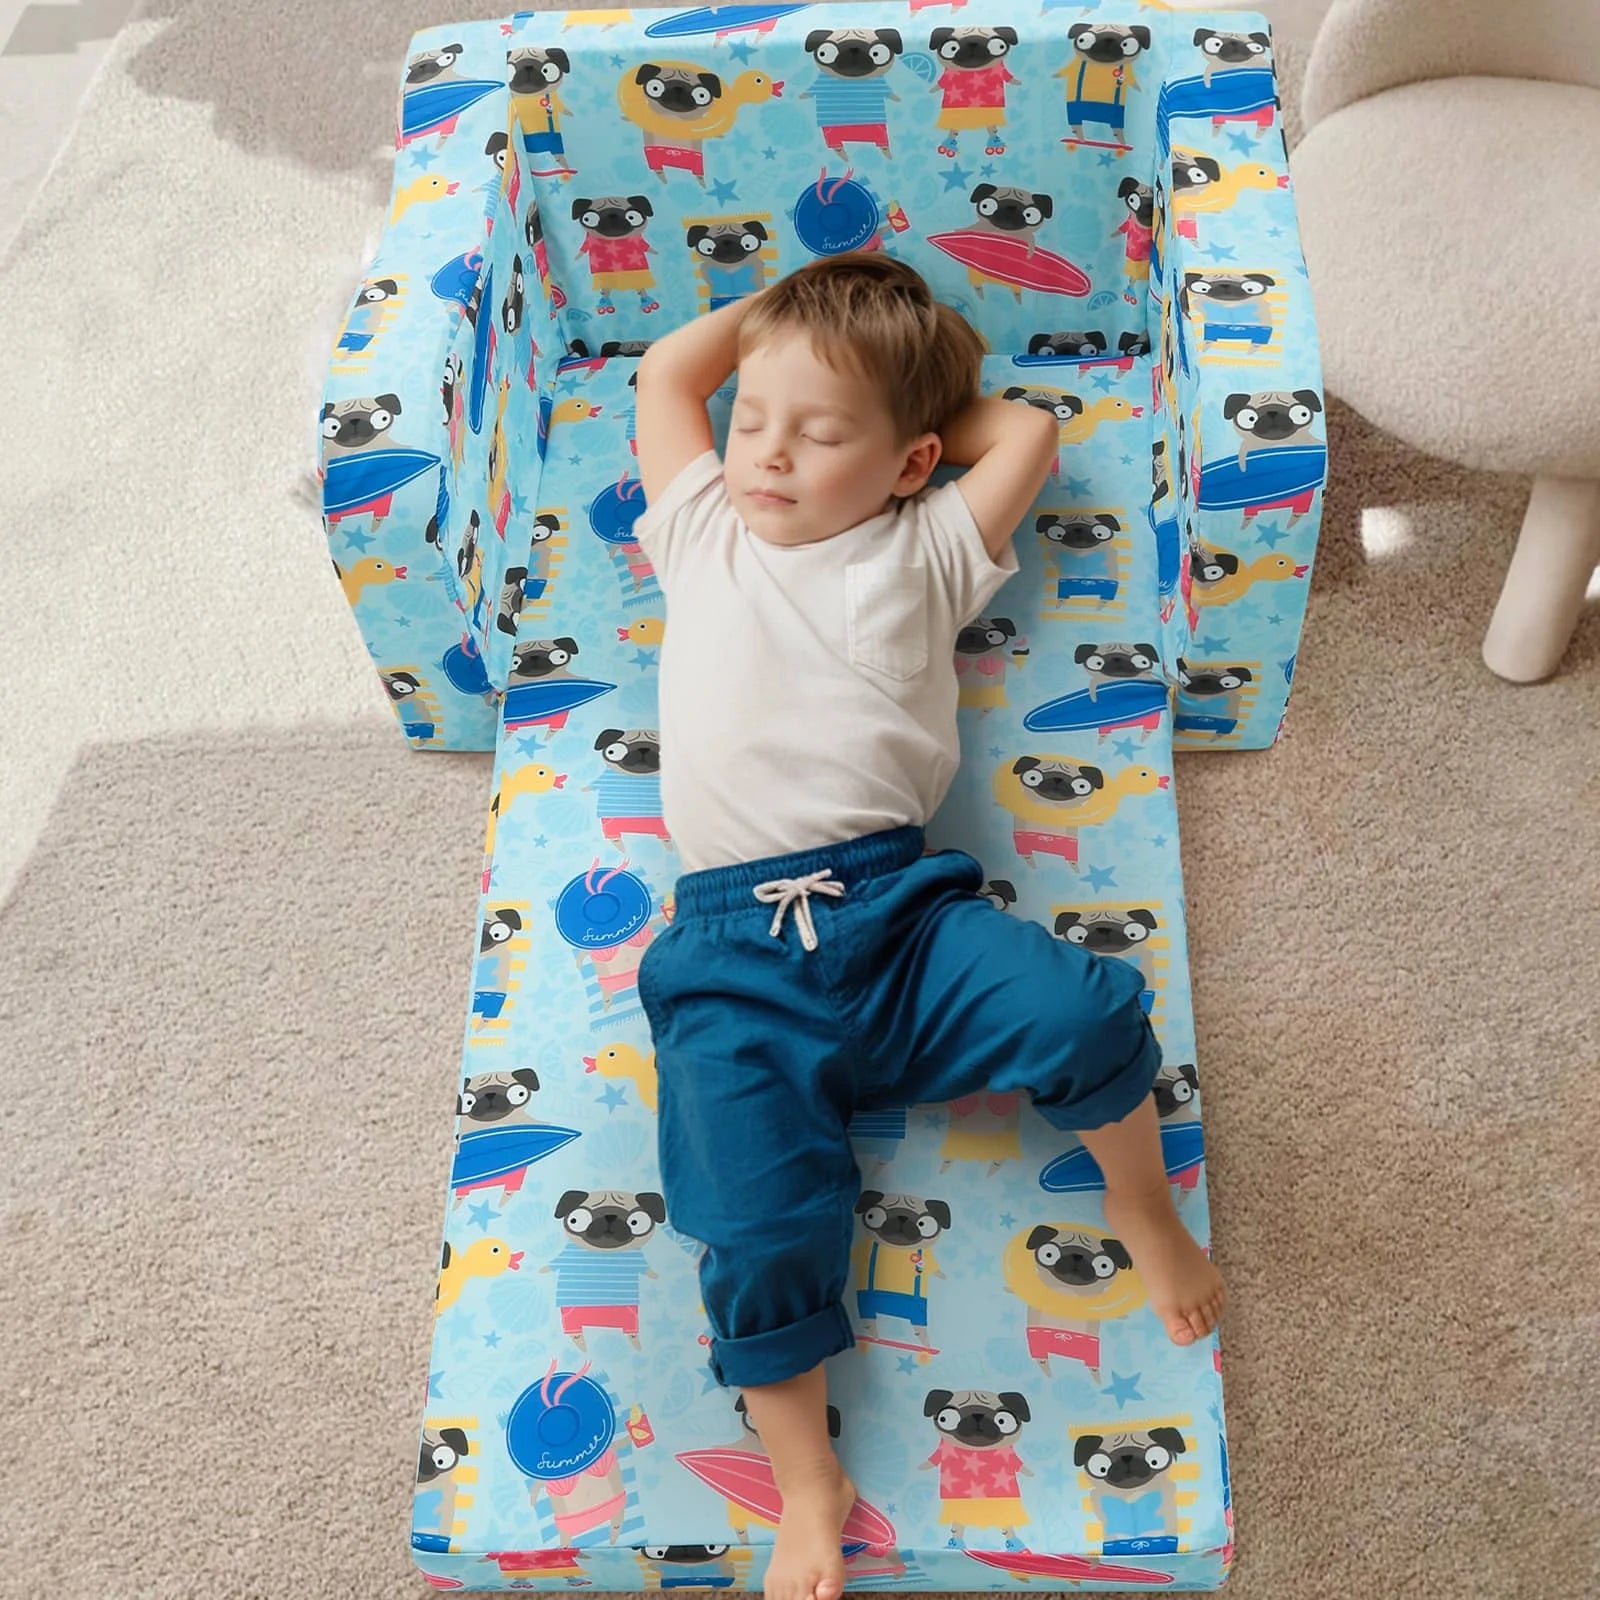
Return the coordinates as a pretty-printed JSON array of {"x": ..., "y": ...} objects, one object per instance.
[
  {"x": 431, "y": 403},
  {"x": 1239, "y": 389}
]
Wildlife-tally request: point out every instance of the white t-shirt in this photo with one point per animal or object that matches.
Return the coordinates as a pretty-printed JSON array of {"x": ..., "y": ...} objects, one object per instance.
[{"x": 807, "y": 692}]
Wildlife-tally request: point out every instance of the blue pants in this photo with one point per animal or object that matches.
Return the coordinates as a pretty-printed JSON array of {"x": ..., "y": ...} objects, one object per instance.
[{"x": 919, "y": 990}]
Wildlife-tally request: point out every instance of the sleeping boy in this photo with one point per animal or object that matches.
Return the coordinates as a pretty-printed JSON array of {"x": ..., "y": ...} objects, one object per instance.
[{"x": 821, "y": 960}]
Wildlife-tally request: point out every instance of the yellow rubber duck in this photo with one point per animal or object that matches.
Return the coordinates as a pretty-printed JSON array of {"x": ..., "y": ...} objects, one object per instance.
[
  {"x": 623, "y": 1061},
  {"x": 486, "y": 1258}
]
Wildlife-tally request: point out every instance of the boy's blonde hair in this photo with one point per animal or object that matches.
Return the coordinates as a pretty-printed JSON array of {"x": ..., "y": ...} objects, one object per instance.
[{"x": 871, "y": 315}]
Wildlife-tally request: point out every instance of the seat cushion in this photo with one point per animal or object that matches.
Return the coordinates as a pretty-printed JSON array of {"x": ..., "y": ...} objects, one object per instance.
[
  {"x": 573, "y": 1382},
  {"x": 1451, "y": 243}
]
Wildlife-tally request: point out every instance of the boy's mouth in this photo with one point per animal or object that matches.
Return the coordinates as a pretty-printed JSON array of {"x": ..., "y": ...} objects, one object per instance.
[{"x": 765, "y": 497}]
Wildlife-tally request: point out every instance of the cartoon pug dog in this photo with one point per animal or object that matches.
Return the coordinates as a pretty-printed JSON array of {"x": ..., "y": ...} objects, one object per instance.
[
  {"x": 1100, "y": 77},
  {"x": 893, "y": 1259},
  {"x": 678, "y": 105},
  {"x": 538, "y": 107},
  {"x": 977, "y": 1460},
  {"x": 438, "y": 1488},
  {"x": 1012, "y": 213},
  {"x": 1072, "y": 1277},
  {"x": 1138, "y": 230},
  {"x": 1220, "y": 688},
  {"x": 1087, "y": 345},
  {"x": 728, "y": 256},
  {"x": 533, "y": 231},
  {"x": 1121, "y": 1466},
  {"x": 851, "y": 87},
  {"x": 613, "y": 227},
  {"x": 1041, "y": 793},
  {"x": 597, "y": 1274},
  {"x": 423, "y": 70},
  {"x": 359, "y": 424},
  {"x": 986, "y": 1125},
  {"x": 1085, "y": 540},
  {"x": 497, "y": 1099},
  {"x": 1221, "y": 52},
  {"x": 1118, "y": 663},
  {"x": 1233, "y": 303},
  {"x": 543, "y": 546},
  {"x": 982, "y": 647},
  {"x": 1271, "y": 420},
  {"x": 690, "y": 1566},
  {"x": 537, "y": 660},
  {"x": 1111, "y": 933},
  {"x": 973, "y": 83},
  {"x": 501, "y": 954},
  {"x": 1001, "y": 893},
  {"x": 629, "y": 791},
  {"x": 1192, "y": 175}
]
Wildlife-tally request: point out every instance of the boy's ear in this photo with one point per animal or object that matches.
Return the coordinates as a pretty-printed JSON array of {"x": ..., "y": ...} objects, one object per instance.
[{"x": 921, "y": 457}]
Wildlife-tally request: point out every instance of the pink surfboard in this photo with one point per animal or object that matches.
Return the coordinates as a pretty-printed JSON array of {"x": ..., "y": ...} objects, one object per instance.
[
  {"x": 746, "y": 1479},
  {"x": 1010, "y": 260}
]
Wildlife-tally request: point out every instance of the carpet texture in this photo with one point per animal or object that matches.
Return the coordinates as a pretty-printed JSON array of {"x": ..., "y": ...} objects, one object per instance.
[{"x": 236, "y": 938}]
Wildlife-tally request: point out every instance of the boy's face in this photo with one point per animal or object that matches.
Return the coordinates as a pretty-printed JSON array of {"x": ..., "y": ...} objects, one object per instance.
[{"x": 812, "y": 451}]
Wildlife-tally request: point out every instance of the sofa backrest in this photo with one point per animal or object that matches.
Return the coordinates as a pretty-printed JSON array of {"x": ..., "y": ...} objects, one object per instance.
[{"x": 682, "y": 158}]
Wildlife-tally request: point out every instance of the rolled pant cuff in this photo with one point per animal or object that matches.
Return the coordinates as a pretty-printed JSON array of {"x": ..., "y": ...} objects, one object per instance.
[
  {"x": 1119, "y": 1098},
  {"x": 781, "y": 1353}
]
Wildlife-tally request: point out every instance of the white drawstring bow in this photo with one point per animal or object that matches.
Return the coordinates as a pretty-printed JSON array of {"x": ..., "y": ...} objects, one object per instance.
[{"x": 797, "y": 892}]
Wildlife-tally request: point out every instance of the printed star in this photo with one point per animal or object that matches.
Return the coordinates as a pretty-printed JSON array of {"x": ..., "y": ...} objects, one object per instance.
[
  {"x": 568, "y": 382},
  {"x": 1122, "y": 1390},
  {"x": 402, "y": 622},
  {"x": 359, "y": 541},
  {"x": 575, "y": 459},
  {"x": 494, "y": 876},
  {"x": 723, "y": 192},
  {"x": 612, "y": 1096},
  {"x": 996, "y": 752},
  {"x": 1243, "y": 142},
  {"x": 527, "y": 744},
  {"x": 1007, "y": 1220},
  {"x": 642, "y": 659},
  {"x": 1078, "y": 487},
  {"x": 482, "y": 1214},
  {"x": 1219, "y": 252},
  {"x": 1274, "y": 233},
  {"x": 1101, "y": 877},
  {"x": 1213, "y": 643},
  {"x": 769, "y": 154},
  {"x": 492, "y": 1338},
  {"x": 907, "y": 1363},
  {"x": 740, "y": 48},
  {"x": 1159, "y": 840},
  {"x": 1127, "y": 461},
  {"x": 540, "y": 842},
  {"x": 957, "y": 178},
  {"x": 519, "y": 505},
  {"x": 1125, "y": 748},
  {"x": 434, "y": 1391},
  {"x": 1102, "y": 378},
  {"x": 1270, "y": 536},
  {"x": 616, "y": 61},
  {"x": 1108, "y": 158},
  {"x": 423, "y": 156},
  {"x": 1274, "y": 621}
]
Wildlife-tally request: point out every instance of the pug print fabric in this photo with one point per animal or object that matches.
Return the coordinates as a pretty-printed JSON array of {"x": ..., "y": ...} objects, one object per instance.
[{"x": 1104, "y": 194}]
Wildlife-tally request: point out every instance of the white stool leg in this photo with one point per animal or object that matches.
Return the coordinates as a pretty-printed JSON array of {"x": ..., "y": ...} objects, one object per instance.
[{"x": 1557, "y": 550}]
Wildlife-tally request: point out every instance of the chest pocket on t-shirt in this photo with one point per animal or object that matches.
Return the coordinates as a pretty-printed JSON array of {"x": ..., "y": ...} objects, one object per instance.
[{"x": 887, "y": 609}]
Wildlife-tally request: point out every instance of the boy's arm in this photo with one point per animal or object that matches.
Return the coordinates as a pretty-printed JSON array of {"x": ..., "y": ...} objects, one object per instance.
[
  {"x": 1010, "y": 447},
  {"x": 675, "y": 378}
]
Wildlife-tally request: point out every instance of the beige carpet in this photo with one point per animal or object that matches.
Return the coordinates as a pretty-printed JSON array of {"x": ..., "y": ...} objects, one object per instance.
[{"x": 235, "y": 941}]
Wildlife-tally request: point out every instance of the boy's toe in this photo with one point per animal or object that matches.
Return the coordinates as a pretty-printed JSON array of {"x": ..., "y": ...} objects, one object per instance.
[{"x": 1179, "y": 1331}]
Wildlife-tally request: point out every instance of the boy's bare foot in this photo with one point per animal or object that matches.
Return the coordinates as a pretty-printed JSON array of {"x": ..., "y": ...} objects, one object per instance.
[
  {"x": 807, "y": 1563},
  {"x": 1185, "y": 1289}
]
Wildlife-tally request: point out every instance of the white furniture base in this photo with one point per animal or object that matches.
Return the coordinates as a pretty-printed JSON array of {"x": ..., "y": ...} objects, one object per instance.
[{"x": 1557, "y": 552}]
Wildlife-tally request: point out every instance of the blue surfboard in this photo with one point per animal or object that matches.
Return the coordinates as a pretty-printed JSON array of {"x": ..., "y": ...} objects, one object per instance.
[
  {"x": 713, "y": 19},
  {"x": 1077, "y": 1172},
  {"x": 1234, "y": 93},
  {"x": 497, "y": 1152},
  {"x": 532, "y": 702},
  {"x": 1266, "y": 476},
  {"x": 434, "y": 104},
  {"x": 363, "y": 476},
  {"x": 1113, "y": 704}
]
